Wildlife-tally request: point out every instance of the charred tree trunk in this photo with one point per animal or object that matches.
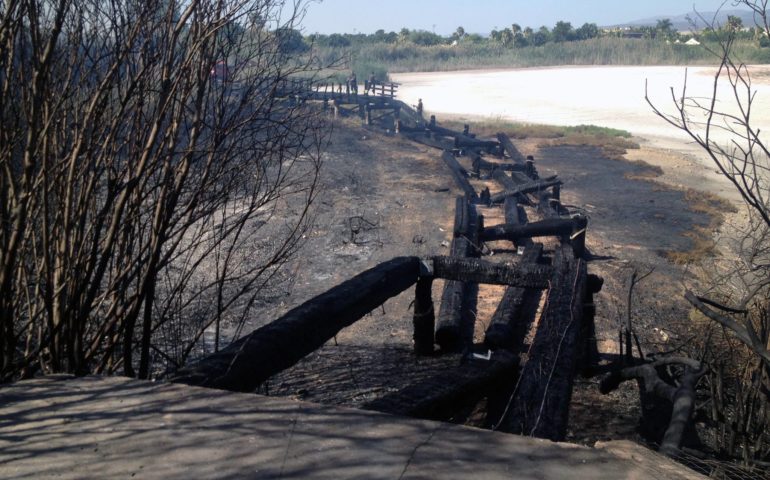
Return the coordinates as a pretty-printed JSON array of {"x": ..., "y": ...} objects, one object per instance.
[
  {"x": 428, "y": 141},
  {"x": 246, "y": 363}
]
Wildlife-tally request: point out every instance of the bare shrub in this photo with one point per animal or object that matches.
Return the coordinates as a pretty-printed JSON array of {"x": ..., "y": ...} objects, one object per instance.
[{"x": 153, "y": 181}]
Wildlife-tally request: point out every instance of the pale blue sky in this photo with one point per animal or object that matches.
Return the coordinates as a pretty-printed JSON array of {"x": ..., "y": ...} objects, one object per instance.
[{"x": 481, "y": 16}]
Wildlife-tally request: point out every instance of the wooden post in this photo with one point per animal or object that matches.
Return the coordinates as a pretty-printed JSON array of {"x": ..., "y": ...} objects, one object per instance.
[
  {"x": 432, "y": 121},
  {"x": 466, "y": 129},
  {"x": 397, "y": 127},
  {"x": 368, "y": 113},
  {"x": 556, "y": 192},
  {"x": 424, "y": 319},
  {"x": 578, "y": 236},
  {"x": 480, "y": 271},
  {"x": 530, "y": 171}
]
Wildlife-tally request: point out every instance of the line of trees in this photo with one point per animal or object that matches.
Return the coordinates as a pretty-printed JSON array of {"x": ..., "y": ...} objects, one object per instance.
[{"x": 515, "y": 36}]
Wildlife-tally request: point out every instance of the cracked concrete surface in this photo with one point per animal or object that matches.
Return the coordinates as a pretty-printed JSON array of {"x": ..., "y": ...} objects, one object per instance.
[{"x": 111, "y": 427}]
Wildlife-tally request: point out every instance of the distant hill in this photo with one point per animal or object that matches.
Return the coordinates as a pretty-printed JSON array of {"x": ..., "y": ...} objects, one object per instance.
[{"x": 681, "y": 22}]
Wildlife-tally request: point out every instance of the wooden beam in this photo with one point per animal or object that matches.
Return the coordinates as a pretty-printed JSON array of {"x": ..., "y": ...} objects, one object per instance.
[
  {"x": 540, "y": 405},
  {"x": 460, "y": 175},
  {"x": 512, "y": 151},
  {"x": 481, "y": 271},
  {"x": 509, "y": 325},
  {"x": 244, "y": 364},
  {"x": 531, "y": 187},
  {"x": 428, "y": 141},
  {"x": 456, "y": 298},
  {"x": 543, "y": 228}
]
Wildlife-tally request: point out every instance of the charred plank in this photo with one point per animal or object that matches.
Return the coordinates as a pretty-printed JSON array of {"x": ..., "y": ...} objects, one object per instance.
[
  {"x": 424, "y": 318},
  {"x": 481, "y": 164}
]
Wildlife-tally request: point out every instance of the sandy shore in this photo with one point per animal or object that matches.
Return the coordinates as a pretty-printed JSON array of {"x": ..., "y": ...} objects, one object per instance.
[{"x": 606, "y": 96}]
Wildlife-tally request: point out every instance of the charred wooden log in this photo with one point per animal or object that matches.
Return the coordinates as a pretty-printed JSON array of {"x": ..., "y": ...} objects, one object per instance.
[
  {"x": 449, "y": 328},
  {"x": 461, "y": 141},
  {"x": 439, "y": 397},
  {"x": 481, "y": 164},
  {"x": 512, "y": 151},
  {"x": 545, "y": 207},
  {"x": 480, "y": 271},
  {"x": 540, "y": 404},
  {"x": 521, "y": 177},
  {"x": 457, "y": 299},
  {"x": 503, "y": 331},
  {"x": 462, "y": 224},
  {"x": 430, "y": 142},
  {"x": 531, "y": 187},
  {"x": 460, "y": 175},
  {"x": 424, "y": 319},
  {"x": 515, "y": 215},
  {"x": 504, "y": 180},
  {"x": 578, "y": 236},
  {"x": 543, "y": 228},
  {"x": 244, "y": 364}
]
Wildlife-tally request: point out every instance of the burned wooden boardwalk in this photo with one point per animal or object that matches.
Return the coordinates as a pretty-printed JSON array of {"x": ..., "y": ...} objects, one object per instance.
[{"x": 547, "y": 299}]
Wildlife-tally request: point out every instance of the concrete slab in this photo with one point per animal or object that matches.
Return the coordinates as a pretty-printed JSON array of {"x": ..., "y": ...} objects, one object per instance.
[{"x": 97, "y": 427}]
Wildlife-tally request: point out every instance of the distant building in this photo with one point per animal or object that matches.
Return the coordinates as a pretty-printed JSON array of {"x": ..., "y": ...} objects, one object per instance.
[{"x": 692, "y": 41}]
